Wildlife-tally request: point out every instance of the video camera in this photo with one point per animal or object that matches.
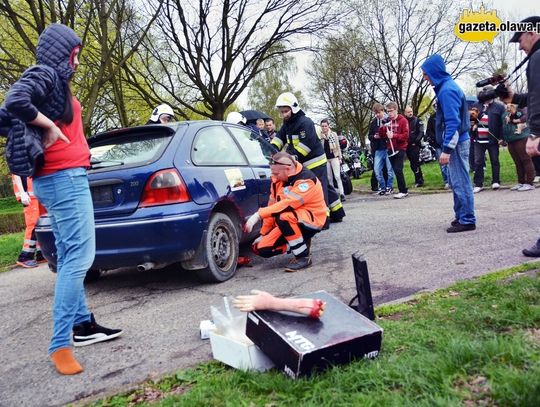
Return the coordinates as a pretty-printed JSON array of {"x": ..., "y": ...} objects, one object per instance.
[{"x": 492, "y": 93}]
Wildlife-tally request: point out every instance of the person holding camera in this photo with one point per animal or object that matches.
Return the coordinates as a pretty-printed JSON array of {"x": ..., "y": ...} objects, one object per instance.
[
  {"x": 529, "y": 42},
  {"x": 452, "y": 132},
  {"x": 489, "y": 134}
]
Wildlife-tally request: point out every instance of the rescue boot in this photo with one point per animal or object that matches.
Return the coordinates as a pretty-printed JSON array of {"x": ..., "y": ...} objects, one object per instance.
[{"x": 298, "y": 263}]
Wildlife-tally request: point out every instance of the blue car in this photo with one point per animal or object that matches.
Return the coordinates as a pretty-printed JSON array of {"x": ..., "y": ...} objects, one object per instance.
[{"x": 176, "y": 193}]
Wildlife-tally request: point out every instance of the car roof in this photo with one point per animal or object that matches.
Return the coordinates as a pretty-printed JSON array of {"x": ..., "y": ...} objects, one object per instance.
[{"x": 149, "y": 128}]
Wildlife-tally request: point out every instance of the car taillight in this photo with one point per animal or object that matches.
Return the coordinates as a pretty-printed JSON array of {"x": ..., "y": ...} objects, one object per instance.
[{"x": 164, "y": 187}]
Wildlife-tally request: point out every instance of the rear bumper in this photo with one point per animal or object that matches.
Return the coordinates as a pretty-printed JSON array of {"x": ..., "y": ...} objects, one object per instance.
[{"x": 162, "y": 238}]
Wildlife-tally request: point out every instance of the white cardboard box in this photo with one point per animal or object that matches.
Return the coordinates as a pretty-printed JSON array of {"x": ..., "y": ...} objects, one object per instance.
[{"x": 239, "y": 354}]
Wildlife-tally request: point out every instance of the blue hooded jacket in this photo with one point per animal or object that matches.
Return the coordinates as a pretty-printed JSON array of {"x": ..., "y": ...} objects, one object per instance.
[{"x": 452, "y": 118}]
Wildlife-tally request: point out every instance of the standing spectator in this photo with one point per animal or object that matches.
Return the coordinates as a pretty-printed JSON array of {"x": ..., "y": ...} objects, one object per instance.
[
  {"x": 333, "y": 155},
  {"x": 452, "y": 132},
  {"x": 416, "y": 133},
  {"x": 489, "y": 135},
  {"x": 529, "y": 42},
  {"x": 473, "y": 134},
  {"x": 270, "y": 128},
  {"x": 432, "y": 140},
  {"x": 161, "y": 114},
  {"x": 298, "y": 132},
  {"x": 42, "y": 97},
  {"x": 516, "y": 137},
  {"x": 396, "y": 130},
  {"x": 380, "y": 147},
  {"x": 30, "y": 254}
]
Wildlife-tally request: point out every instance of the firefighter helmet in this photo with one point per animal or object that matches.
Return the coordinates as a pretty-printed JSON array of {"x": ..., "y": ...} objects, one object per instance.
[
  {"x": 289, "y": 100},
  {"x": 236, "y": 118}
]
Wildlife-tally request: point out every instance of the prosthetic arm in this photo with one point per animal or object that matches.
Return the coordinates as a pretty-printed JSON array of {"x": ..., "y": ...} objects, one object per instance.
[{"x": 261, "y": 300}]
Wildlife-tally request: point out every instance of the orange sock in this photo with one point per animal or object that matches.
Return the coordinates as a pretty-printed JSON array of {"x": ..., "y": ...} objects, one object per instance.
[{"x": 65, "y": 362}]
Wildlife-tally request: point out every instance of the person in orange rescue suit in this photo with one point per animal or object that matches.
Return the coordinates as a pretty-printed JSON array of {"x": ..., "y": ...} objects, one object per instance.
[
  {"x": 296, "y": 211},
  {"x": 30, "y": 254},
  {"x": 299, "y": 137}
]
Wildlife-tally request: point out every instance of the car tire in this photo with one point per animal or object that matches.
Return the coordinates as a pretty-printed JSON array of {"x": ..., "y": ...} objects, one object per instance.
[{"x": 222, "y": 248}]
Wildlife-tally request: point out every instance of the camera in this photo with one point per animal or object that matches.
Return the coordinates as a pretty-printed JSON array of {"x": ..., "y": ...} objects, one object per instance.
[{"x": 489, "y": 92}]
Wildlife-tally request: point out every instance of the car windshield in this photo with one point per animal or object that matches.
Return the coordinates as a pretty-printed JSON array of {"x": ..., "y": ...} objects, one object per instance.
[{"x": 129, "y": 150}]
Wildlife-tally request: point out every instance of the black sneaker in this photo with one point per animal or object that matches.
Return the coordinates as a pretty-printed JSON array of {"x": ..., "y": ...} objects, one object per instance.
[
  {"x": 90, "y": 332},
  {"x": 461, "y": 228},
  {"x": 342, "y": 198},
  {"x": 455, "y": 222},
  {"x": 40, "y": 258},
  {"x": 298, "y": 263}
]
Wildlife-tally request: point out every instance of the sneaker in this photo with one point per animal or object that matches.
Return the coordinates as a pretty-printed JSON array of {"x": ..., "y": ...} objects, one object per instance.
[
  {"x": 516, "y": 187},
  {"x": 401, "y": 195},
  {"x": 419, "y": 184},
  {"x": 455, "y": 222},
  {"x": 389, "y": 191},
  {"x": 381, "y": 192},
  {"x": 90, "y": 332},
  {"x": 298, "y": 264},
  {"x": 526, "y": 187},
  {"x": 27, "y": 264},
  {"x": 495, "y": 185},
  {"x": 447, "y": 186},
  {"x": 461, "y": 228},
  {"x": 537, "y": 179},
  {"x": 477, "y": 189},
  {"x": 40, "y": 258},
  {"x": 532, "y": 252},
  {"x": 342, "y": 197}
]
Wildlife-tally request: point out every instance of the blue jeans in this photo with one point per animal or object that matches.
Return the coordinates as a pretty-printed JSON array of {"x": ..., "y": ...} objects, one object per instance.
[
  {"x": 66, "y": 196},
  {"x": 381, "y": 159},
  {"x": 458, "y": 175},
  {"x": 444, "y": 168}
]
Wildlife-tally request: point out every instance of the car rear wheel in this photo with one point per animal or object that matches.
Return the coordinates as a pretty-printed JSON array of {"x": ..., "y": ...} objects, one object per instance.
[{"x": 221, "y": 249}]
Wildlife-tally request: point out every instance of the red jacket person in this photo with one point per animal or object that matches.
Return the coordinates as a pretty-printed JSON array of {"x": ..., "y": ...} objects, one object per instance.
[{"x": 296, "y": 211}]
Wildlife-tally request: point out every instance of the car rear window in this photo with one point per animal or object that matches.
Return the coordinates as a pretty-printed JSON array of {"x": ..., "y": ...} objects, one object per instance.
[{"x": 129, "y": 150}]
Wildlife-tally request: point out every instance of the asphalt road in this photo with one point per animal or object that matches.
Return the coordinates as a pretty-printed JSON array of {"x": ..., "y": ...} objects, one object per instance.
[{"x": 404, "y": 242}]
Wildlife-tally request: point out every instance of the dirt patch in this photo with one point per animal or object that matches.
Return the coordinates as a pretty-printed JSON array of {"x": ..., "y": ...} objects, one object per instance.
[
  {"x": 152, "y": 395},
  {"x": 479, "y": 391},
  {"x": 533, "y": 335}
]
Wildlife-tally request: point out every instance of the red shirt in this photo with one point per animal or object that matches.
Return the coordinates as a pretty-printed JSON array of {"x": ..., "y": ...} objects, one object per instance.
[
  {"x": 400, "y": 128},
  {"x": 62, "y": 155}
]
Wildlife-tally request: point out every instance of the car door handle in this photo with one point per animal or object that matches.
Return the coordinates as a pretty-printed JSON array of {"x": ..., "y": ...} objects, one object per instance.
[{"x": 262, "y": 175}]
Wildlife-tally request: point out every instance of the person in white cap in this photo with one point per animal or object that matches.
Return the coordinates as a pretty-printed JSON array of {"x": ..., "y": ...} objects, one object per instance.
[{"x": 161, "y": 114}]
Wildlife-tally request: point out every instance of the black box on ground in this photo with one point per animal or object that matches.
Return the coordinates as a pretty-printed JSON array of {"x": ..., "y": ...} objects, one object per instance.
[{"x": 299, "y": 345}]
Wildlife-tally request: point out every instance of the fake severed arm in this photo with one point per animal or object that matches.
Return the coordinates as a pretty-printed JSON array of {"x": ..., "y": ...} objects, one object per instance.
[{"x": 261, "y": 300}]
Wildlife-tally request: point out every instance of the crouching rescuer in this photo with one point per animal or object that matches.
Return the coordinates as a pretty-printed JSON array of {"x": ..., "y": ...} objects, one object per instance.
[{"x": 296, "y": 211}]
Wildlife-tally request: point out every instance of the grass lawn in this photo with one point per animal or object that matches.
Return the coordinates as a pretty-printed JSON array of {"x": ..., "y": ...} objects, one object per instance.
[
  {"x": 475, "y": 343},
  {"x": 10, "y": 247},
  {"x": 433, "y": 177},
  {"x": 10, "y": 205}
]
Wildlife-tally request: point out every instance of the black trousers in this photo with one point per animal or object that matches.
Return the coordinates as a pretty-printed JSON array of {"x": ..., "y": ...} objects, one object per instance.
[
  {"x": 397, "y": 165},
  {"x": 413, "y": 154},
  {"x": 480, "y": 161}
]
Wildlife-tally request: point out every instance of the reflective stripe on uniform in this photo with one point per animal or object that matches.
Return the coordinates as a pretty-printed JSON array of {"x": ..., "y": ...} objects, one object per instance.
[
  {"x": 296, "y": 196},
  {"x": 299, "y": 250},
  {"x": 315, "y": 162},
  {"x": 336, "y": 206},
  {"x": 295, "y": 241},
  {"x": 277, "y": 142}
]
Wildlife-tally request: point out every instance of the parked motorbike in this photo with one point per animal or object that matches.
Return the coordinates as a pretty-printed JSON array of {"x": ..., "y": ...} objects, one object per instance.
[
  {"x": 359, "y": 160},
  {"x": 427, "y": 153}
]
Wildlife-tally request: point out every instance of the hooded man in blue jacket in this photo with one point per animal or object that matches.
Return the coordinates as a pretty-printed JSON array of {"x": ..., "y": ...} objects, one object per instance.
[{"x": 452, "y": 133}]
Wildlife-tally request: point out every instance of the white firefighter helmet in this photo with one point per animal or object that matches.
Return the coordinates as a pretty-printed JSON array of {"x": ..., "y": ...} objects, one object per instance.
[
  {"x": 236, "y": 118},
  {"x": 288, "y": 99},
  {"x": 161, "y": 109}
]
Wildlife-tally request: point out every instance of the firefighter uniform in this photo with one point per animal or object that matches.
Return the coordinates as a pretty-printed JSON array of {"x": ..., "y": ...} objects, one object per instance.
[
  {"x": 32, "y": 213},
  {"x": 299, "y": 135},
  {"x": 296, "y": 211}
]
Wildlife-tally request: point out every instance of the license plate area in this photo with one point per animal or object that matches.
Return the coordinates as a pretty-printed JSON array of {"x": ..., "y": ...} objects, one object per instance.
[{"x": 102, "y": 195}]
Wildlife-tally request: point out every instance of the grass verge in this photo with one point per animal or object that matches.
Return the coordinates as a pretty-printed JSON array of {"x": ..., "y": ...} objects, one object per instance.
[
  {"x": 475, "y": 343},
  {"x": 433, "y": 178},
  {"x": 10, "y": 247}
]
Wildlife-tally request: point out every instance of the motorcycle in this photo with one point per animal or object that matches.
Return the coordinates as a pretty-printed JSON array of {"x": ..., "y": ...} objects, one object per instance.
[
  {"x": 358, "y": 160},
  {"x": 427, "y": 153}
]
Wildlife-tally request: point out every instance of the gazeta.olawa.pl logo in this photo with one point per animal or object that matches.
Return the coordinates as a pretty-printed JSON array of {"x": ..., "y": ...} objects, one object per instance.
[{"x": 483, "y": 25}]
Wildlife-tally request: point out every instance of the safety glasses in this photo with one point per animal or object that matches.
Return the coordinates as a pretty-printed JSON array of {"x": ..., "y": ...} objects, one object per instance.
[{"x": 274, "y": 162}]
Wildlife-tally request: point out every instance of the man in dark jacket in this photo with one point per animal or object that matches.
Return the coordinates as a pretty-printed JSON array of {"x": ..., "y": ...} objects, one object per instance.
[
  {"x": 298, "y": 133},
  {"x": 490, "y": 113},
  {"x": 529, "y": 42},
  {"x": 452, "y": 132},
  {"x": 416, "y": 132},
  {"x": 432, "y": 140}
]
